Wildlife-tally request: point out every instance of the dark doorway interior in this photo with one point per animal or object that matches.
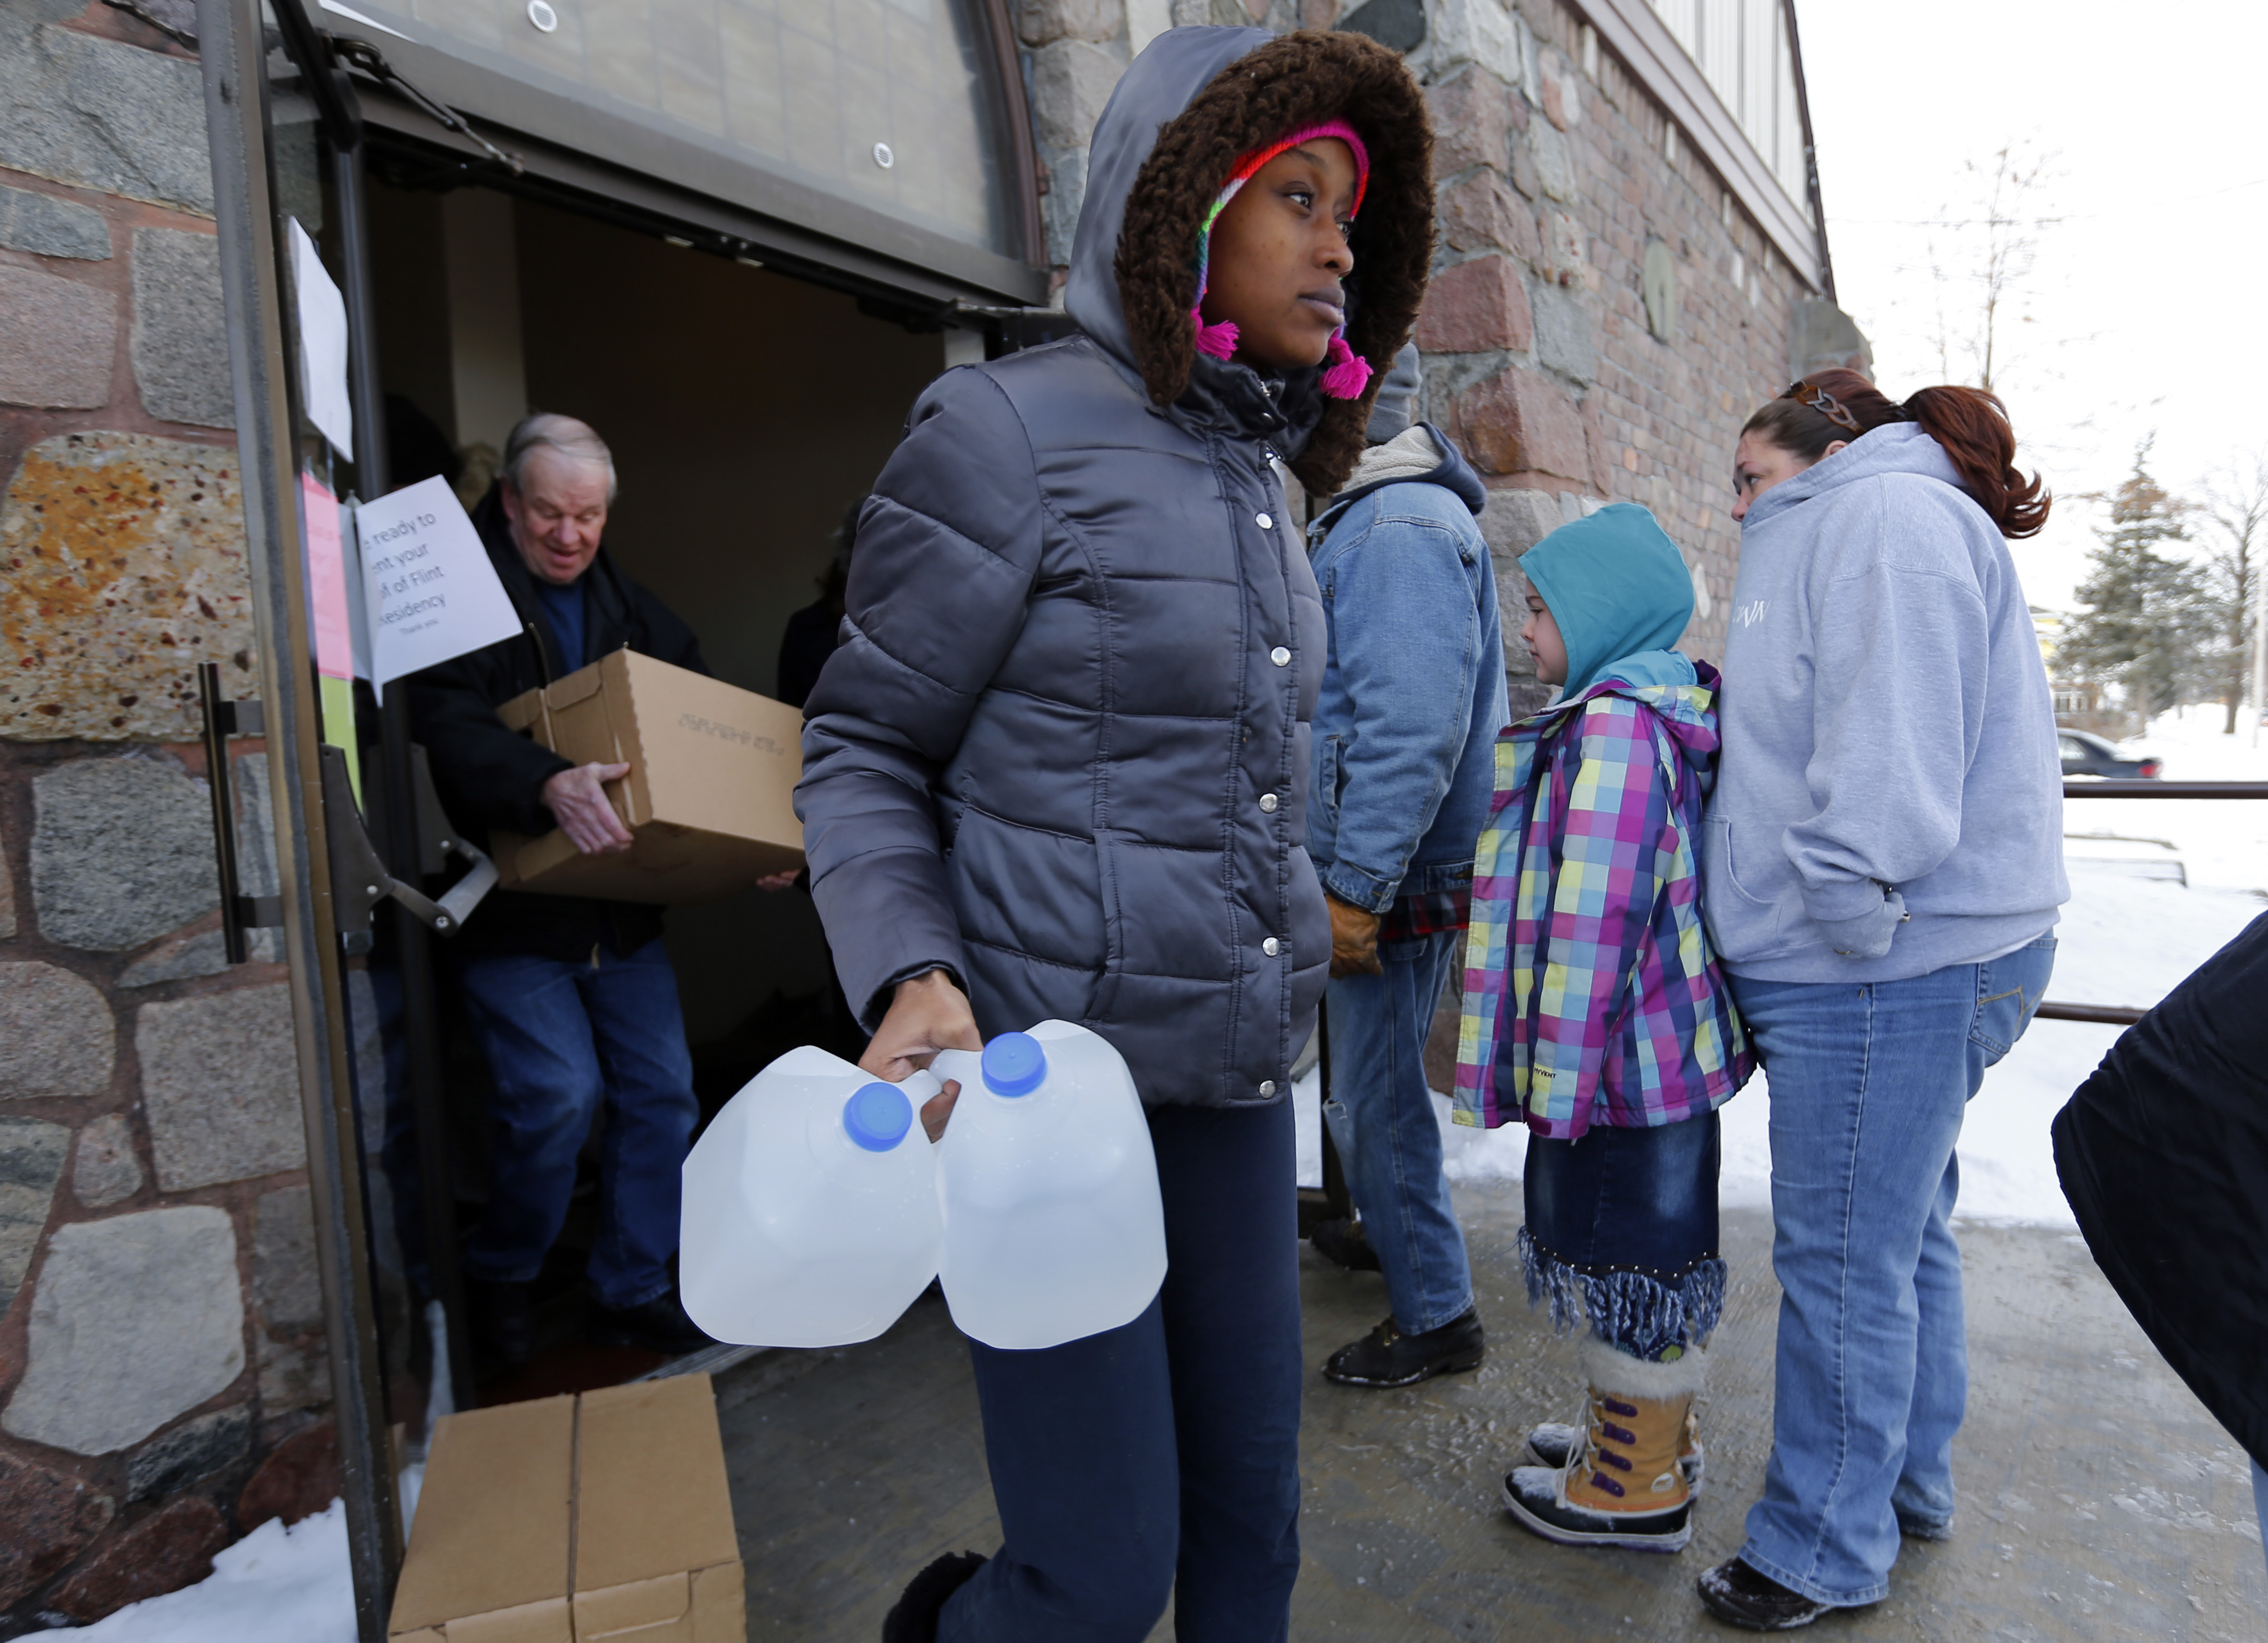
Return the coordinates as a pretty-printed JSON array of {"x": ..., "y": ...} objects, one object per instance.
[{"x": 745, "y": 410}]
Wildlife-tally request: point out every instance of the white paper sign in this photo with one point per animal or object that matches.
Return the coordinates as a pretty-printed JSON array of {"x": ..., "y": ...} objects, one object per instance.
[
  {"x": 428, "y": 591},
  {"x": 322, "y": 344}
]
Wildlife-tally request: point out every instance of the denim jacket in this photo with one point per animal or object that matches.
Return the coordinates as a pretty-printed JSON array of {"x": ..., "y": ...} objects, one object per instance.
[{"x": 1413, "y": 690}]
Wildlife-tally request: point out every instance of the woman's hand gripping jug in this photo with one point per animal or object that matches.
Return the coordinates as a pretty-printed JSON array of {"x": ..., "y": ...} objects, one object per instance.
[
  {"x": 811, "y": 1215},
  {"x": 1053, "y": 1228}
]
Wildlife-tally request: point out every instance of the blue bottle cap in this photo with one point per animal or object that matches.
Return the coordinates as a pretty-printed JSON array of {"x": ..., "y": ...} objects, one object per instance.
[
  {"x": 878, "y": 1116},
  {"x": 1014, "y": 1064}
]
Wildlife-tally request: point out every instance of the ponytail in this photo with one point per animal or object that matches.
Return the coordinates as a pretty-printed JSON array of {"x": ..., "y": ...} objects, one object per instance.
[
  {"x": 1970, "y": 424},
  {"x": 1973, "y": 427}
]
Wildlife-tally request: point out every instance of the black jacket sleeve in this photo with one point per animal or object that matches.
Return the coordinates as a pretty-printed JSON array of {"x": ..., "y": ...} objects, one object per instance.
[
  {"x": 488, "y": 777},
  {"x": 948, "y": 550},
  {"x": 661, "y": 633}
]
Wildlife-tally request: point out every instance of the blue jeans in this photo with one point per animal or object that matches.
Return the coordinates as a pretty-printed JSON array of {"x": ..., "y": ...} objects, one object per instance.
[
  {"x": 1622, "y": 1231},
  {"x": 1868, "y": 1086},
  {"x": 559, "y": 1037},
  {"x": 1388, "y": 1140},
  {"x": 1162, "y": 1458}
]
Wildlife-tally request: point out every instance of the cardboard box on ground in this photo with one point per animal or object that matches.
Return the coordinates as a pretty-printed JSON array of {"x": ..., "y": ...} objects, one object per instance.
[
  {"x": 709, "y": 798},
  {"x": 576, "y": 1520}
]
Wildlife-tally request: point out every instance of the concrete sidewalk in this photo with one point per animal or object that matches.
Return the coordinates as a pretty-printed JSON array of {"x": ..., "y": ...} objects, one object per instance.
[{"x": 2100, "y": 1503}]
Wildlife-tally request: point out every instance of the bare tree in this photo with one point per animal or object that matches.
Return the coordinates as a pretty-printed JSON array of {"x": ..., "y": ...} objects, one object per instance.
[
  {"x": 2236, "y": 507},
  {"x": 1982, "y": 259}
]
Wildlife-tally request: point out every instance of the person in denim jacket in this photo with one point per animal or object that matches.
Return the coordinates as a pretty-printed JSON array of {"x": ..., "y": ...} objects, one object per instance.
[{"x": 1413, "y": 694}]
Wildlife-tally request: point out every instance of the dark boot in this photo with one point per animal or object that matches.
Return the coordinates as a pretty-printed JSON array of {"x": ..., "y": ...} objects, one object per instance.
[
  {"x": 1345, "y": 1242},
  {"x": 914, "y": 1617},
  {"x": 503, "y": 1322},
  {"x": 1741, "y": 1596},
  {"x": 1387, "y": 1358},
  {"x": 659, "y": 1325}
]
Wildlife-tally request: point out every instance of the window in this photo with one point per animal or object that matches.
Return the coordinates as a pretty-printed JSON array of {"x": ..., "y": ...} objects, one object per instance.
[
  {"x": 888, "y": 104},
  {"x": 1742, "y": 47}
]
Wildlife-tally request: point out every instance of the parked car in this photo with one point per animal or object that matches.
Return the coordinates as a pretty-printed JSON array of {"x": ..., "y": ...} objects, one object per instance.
[{"x": 2085, "y": 753}]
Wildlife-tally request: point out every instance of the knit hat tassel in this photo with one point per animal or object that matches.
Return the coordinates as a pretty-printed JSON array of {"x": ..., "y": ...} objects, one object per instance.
[
  {"x": 1347, "y": 373},
  {"x": 1219, "y": 340}
]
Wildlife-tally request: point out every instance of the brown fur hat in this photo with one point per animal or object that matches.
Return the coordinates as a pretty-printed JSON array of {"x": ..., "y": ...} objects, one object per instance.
[{"x": 1294, "y": 81}]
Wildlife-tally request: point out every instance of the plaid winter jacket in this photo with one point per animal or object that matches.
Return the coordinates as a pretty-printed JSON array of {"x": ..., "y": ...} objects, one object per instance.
[{"x": 1592, "y": 994}]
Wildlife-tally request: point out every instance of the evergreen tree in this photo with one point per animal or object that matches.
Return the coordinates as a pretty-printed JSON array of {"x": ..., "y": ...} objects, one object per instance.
[{"x": 2146, "y": 620}]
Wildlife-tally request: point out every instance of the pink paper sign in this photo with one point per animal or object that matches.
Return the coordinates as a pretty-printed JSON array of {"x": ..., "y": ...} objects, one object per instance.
[{"x": 327, "y": 581}]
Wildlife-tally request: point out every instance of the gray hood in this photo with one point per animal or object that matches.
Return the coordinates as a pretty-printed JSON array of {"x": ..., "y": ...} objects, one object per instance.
[
  {"x": 1172, "y": 70},
  {"x": 1903, "y": 447}
]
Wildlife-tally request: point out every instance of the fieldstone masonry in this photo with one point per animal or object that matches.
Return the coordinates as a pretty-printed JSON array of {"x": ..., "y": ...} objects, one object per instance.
[
  {"x": 180, "y": 341},
  {"x": 56, "y": 1040},
  {"x": 122, "y": 853},
  {"x": 220, "y": 1087},
  {"x": 56, "y": 341},
  {"x": 195, "y": 1450},
  {"x": 121, "y": 567},
  {"x": 46, "y": 1518},
  {"x": 105, "y": 1170},
  {"x": 50, "y": 226},
  {"x": 99, "y": 114},
  {"x": 159, "y": 1325},
  {"x": 32, "y": 1154},
  {"x": 138, "y": 1319},
  {"x": 283, "y": 1282}
]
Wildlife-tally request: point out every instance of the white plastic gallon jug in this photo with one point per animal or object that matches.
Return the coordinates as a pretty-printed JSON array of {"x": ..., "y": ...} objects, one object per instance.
[
  {"x": 1053, "y": 1229},
  {"x": 811, "y": 1213}
]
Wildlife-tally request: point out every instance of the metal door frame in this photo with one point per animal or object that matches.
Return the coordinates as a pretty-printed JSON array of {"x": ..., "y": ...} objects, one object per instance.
[{"x": 232, "y": 57}]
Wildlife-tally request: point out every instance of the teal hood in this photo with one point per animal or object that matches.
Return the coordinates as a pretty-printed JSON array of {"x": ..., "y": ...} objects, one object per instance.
[{"x": 1617, "y": 586}]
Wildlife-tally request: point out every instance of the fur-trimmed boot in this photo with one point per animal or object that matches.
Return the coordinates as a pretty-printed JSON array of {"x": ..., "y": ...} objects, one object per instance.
[
  {"x": 1552, "y": 1442},
  {"x": 1623, "y": 1486}
]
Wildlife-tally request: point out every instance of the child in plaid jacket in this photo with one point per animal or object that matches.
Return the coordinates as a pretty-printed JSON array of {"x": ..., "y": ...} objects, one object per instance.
[{"x": 1594, "y": 1009}]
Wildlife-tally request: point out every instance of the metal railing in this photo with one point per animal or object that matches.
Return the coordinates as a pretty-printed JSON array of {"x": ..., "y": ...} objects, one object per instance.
[{"x": 2121, "y": 787}]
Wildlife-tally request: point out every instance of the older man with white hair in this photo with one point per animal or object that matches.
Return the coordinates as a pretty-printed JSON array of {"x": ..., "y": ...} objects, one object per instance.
[{"x": 572, "y": 1000}]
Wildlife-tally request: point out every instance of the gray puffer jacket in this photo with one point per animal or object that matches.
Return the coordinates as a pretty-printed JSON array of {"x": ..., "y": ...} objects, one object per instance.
[{"x": 1063, "y": 751}]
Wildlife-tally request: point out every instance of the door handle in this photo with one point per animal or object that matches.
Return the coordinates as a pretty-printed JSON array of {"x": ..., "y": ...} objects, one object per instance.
[{"x": 360, "y": 880}]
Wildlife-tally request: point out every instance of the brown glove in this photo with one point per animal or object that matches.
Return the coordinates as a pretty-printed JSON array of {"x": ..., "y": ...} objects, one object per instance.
[{"x": 1354, "y": 939}]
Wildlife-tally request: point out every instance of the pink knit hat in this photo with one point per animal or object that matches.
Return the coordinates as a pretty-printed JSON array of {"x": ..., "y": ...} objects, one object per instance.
[{"x": 1345, "y": 373}]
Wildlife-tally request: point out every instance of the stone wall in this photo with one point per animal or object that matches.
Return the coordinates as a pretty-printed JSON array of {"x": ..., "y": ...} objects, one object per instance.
[
  {"x": 1603, "y": 314},
  {"x": 162, "y": 1372}
]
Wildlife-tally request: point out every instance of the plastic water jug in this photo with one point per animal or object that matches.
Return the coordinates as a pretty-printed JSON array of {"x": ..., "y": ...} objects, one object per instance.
[
  {"x": 811, "y": 1213},
  {"x": 1053, "y": 1228}
]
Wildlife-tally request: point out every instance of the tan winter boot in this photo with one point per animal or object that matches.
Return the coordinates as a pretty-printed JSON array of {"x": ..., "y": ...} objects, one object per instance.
[
  {"x": 1550, "y": 1442},
  {"x": 1623, "y": 1485}
]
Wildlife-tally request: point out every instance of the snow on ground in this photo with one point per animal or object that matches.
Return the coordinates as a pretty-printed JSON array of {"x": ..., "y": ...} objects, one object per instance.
[
  {"x": 2124, "y": 940},
  {"x": 274, "y": 1585}
]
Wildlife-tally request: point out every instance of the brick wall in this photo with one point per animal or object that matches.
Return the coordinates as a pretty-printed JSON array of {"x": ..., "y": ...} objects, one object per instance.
[{"x": 162, "y": 1373}]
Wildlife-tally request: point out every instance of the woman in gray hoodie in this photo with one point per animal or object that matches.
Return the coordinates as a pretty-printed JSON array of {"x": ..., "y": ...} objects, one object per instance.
[{"x": 1882, "y": 866}]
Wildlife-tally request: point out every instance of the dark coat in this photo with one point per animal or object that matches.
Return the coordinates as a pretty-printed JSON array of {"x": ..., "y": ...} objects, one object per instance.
[
  {"x": 1084, "y": 642},
  {"x": 2163, "y": 1155},
  {"x": 489, "y": 778}
]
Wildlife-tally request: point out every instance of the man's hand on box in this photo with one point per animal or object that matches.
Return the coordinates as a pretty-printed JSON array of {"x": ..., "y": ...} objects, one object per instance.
[
  {"x": 1354, "y": 939},
  {"x": 580, "y": 804},
  {"x": 927, "y": 1014}
]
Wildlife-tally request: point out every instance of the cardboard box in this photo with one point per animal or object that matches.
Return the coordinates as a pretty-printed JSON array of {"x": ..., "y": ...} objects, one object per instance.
[
  {"x": 710, "y": 798},
  {"x": 576, "y": 1520}
]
